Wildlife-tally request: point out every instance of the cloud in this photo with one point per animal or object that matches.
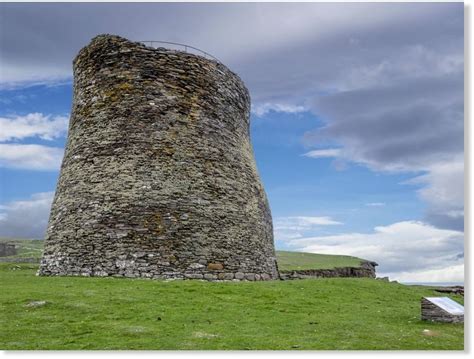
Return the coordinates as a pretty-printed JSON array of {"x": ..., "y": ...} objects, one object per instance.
[
  {"x": 262, "y": 109},
  {"x": 399, "y": 248},
  {"x": 27, "y": 218},
  {"x": 20, "y": 77},
  {"x": 449, "y": 274},
  {"x": 287, "y": 228},
  {"x": 339, "y": 163},
  {"x": 328, "y": 61},
  {"x": 329, "y": 152},
  {"x": 282, "y": 46},
  {"x": 46, "y": 127},
  {"x": 444, "y": 193},
  {"x": 31, "y": 157},
  {"x": 304, "y": 222},
  {"x": 407, "y": 127},
  {"x": 375, "y": 204},
  {"x": 418, "y": 61}
]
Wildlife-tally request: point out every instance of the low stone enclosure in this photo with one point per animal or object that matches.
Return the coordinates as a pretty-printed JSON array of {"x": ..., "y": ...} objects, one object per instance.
[{"x": 366, "y": 270}]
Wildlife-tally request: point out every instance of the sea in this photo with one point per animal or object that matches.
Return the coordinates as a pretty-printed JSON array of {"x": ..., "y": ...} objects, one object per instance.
[{"x": 435, "y": 284}]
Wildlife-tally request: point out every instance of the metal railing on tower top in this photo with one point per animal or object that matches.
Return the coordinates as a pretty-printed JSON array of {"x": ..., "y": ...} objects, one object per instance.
[{"x": 182, "y": 47}]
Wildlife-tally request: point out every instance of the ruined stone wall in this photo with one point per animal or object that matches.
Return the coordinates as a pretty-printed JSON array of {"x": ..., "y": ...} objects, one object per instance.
[
  {"x": 7, "y": 249},
  {"x": 159, "y": 178},
  {"x": 366, "y": 270}
]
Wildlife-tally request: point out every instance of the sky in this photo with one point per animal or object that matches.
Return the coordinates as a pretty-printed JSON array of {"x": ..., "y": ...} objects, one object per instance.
[{"x": 357, "y": 116}]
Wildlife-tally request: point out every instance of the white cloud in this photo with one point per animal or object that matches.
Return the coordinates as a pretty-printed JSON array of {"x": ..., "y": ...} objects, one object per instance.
[
  {"x": 304, "y": 222},
  {"x": 262, "y": 109},
  {"x": 329, "y": 152},
  {"x": 454, "y": 273},
  {"x": 46, "y": 127},
  {"x": 445, "y": 185},
  {"x": 375, "y": 204},
  {"x": 443, "y": 191},
  {"x": 400, "y": 248},
  {"x": 21, "y": 76},
  {"x": 289, "y": 228},
  {"x": 32, "y": 157},
  {"x": 27, "y": 218}
]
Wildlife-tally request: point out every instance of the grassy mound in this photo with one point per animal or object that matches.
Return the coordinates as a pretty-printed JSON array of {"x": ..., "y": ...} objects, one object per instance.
[
  {"x": 111, "y": 313},
  {"x": 300, "y": 261}
]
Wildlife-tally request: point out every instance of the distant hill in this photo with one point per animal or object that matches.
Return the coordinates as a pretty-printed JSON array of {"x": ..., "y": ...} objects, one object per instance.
[{"x": 33, "y": 248}]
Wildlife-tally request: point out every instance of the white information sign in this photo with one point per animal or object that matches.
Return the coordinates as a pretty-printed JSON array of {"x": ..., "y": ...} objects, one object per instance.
[{"x": 448, "y": 305}]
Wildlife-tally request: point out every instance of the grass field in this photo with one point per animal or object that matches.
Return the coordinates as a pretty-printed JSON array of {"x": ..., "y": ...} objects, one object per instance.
[{"x": 112, "y": 313}]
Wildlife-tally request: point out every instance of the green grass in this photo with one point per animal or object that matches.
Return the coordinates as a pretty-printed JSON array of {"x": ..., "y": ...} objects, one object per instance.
[
  {"x": 299, "y": 261},
  {"x": 111, "y": 313}
]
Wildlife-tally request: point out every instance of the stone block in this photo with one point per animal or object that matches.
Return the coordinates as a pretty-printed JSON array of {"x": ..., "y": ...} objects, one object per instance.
[
  {"x": 239, "y": 275},
  {"x": 215, "y": 266}
]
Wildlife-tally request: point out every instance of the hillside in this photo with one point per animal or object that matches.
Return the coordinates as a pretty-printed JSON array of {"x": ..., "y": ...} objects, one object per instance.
[{"x": 110, "y": 313}]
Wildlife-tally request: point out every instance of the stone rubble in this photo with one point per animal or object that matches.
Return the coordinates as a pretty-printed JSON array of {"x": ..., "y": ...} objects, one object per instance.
[{"x": 366, "y": 270}]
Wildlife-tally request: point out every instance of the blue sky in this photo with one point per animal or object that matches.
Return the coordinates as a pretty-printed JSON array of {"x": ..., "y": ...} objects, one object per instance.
[
  {"x": 357, "y": 120},
  {"x": 18, "y": 184}
]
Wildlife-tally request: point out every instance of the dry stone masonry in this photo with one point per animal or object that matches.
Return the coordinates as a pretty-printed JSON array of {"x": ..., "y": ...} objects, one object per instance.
[
  {"x": 366, "y": 270},
  {"x": 158, "y": 178},
  {"x": 7, "y": 249}
]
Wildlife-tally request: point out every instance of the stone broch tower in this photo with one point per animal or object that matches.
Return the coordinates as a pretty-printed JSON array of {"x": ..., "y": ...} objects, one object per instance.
[{"x": 158, "y": 178}]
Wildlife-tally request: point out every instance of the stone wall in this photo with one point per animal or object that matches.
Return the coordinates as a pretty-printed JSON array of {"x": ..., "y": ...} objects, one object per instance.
[
  {"x": 158, "y": 178},
  {"x": 366, "y": 270},
  {"x": 7, "y": 249}
]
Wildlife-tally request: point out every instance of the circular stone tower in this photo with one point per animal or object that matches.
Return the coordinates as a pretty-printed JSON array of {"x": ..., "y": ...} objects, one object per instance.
[{"x": 158, "y": 178}]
